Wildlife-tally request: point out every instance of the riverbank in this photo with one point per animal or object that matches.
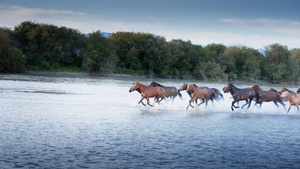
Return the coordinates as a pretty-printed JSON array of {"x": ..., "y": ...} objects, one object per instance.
[{"x": 82, "y": 73}]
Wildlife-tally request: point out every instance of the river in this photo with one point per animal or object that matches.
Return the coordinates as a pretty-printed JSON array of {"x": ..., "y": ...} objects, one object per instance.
[{"x": 71, "y": 121}]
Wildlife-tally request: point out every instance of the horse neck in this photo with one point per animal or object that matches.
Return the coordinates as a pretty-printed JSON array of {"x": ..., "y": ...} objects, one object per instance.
[
  {"x": 233, "y": 89},
  {"x": 142, "y": 87},
  {"x": 190, "y": 89},
  {"x": 257, "y": 88}
]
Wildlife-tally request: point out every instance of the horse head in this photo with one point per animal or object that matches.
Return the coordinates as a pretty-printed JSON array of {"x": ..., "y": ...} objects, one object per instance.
[
  {"x": 190, "y": 88},
  {"x": 227, "y": 88},
  {"x": 285, "y": 94},
  {"x": 183, "y": 87},
  {"x": 134, "y": 87}
]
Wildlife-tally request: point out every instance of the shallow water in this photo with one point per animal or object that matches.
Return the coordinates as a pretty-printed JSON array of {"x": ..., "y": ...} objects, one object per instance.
[{"x": 94, "y": 122}]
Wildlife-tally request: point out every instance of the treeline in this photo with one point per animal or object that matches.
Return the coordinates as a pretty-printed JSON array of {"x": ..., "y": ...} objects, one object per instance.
[{"x": 35, "y": 46}]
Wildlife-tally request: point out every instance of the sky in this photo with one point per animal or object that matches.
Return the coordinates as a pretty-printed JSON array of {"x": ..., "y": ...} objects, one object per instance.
[{"x": 251, "y": 23}]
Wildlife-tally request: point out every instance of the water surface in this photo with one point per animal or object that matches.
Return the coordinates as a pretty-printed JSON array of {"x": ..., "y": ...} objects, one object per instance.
[{"x": 53, "y": 121}]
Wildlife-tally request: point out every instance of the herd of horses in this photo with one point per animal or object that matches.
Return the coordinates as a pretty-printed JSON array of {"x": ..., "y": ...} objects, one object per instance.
[{"x": 206, "y": 94}]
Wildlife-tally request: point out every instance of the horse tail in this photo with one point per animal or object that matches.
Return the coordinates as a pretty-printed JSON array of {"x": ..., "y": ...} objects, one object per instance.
[
  {"x": 256, "y": 96},
  {"x": 221, "y": 96},
  {"x": 213, "y": 95},
  {"x": 180, "y": 95}
]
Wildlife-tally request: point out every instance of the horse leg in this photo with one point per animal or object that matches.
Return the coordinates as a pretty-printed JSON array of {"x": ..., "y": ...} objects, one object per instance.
[
  {"x": 281, "y": 102},
  {"x": 275, "y": 102},
  {"x": 149, "y": 102},
  {"x": 156, "y": 98},
  {"x": 232, "y": 104},
  {"x": 237, "y": 103},
  {"x": 249, "y": 103},
  {"x": 289, "y": 109},
  {"x": 192, "y": 100},
  {"x": 201, "y": 102},
  {"x": 141, "y": 101},
  {"x": 245, "y": 104}
]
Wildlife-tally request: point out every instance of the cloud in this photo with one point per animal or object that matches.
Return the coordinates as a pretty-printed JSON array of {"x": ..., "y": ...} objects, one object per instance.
[
  {"x": 267, "y": 25},
  {"x": 266, "y": 29},
  {"x": 85, "y": 23}
]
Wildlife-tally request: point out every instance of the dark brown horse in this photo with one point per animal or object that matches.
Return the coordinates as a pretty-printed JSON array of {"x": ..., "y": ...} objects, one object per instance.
[
  {"x": 172, "y": 92},
  {"x": 198, "y": 93},
  {"x": 238, "y": 94},
  {"x": 267, "y": 96},
  {"x": 148, "y": 92},
  {"x": 283, "y": 98},
  {"x": 272, "y": 90}
]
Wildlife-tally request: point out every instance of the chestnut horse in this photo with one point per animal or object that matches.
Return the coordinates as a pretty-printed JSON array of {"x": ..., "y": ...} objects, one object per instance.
[
  {"x": 198, "y": 93},
  {"x": 238, "y": 94},
  {"x": 215, "y": 93},
  {"x": 148, "y": 92},
  {"x": 267, "y": 96},
  {"x": 294, "y": 99},
  {"x": 172, "y": 92},
  {"x": 281, "y": 91}
]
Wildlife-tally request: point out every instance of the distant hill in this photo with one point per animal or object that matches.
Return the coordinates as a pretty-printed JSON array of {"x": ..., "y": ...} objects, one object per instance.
[{"x": 104, "y": 34}]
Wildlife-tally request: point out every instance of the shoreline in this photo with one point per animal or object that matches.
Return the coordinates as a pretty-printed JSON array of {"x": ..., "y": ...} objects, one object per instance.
[{"x": 82, "y": 73}]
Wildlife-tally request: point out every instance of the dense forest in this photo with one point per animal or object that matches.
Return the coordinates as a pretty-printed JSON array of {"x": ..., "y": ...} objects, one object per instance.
[{"x": 35, "y": 46}]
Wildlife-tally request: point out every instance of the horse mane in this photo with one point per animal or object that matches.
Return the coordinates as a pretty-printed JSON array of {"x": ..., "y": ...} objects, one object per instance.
[
  {"x": 155, "y": 84},
  {"x": 289, "y": 90},
  {"x": 256, "y": 87},
  {"x": 195, "y": 85},
  {"x": 191, "y": 88},
  {"x": 272, "y": 89}
]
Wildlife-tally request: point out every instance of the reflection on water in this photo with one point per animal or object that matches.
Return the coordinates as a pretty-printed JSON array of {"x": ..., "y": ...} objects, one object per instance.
[{"x": 94, "y": 122}]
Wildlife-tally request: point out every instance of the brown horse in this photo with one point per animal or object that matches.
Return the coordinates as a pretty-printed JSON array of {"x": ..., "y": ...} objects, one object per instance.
[
  {"x": 172, "y": 92},
  {"x": 281, "y": 91},
  {"x": 238, "y": 94},
  {"x": 148, "y": 92},
  {"x": 198, "y": 93},
  {"x": 215, "y": 93},
  {"x": 267, "y": 96},
  {"x": 272, "y": 90},
  {"x": 294, "y": 99},
  {"x": 283, "y": 98}
]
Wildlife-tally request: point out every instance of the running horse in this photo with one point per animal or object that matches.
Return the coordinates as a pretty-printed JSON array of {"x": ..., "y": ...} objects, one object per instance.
[
  {"x": 172, "y": 92},
  {"x": 198, "y": 93},
  {"x": 294, "y": 99},
  {"x": 215, "y": 93},
  {"x": 148, "y": 92},
  {"x": 238, "y": 94},
  {"x": 281, "y": 91},
  {"x": 267, "y": 96}
]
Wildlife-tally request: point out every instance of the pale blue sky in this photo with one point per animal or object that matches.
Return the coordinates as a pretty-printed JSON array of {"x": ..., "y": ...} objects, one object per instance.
[{"x": 253, "y": 23}]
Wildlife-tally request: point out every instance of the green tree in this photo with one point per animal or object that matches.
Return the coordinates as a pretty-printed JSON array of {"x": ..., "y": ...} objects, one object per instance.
[
  {"x": 100, "y": 56},
  {"x": 279, "y": 64},
  {"x": 50, "y": 45},
  {"x": 11, "y": 58},
  {"x": 242, "y": 63}
]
